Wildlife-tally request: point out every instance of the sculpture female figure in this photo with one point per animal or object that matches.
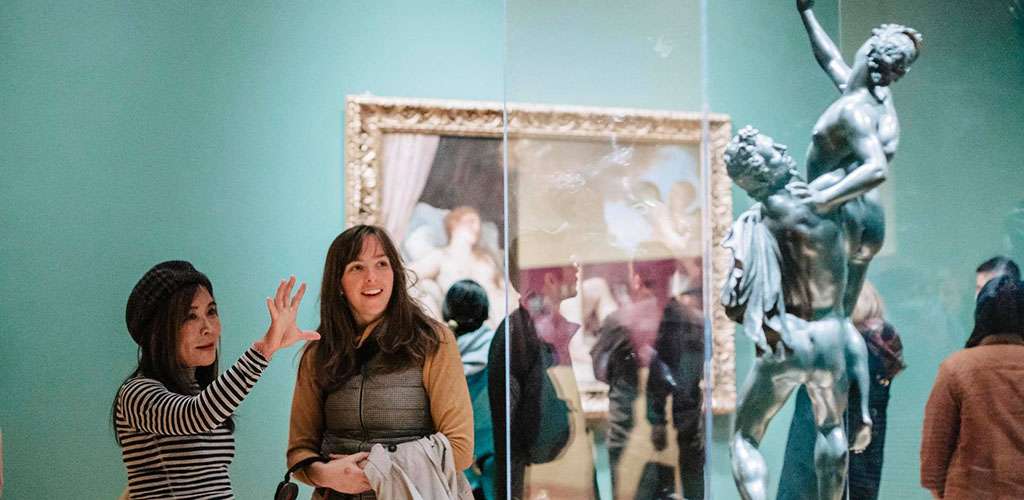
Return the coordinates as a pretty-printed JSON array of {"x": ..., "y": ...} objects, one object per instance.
[{"x": 856, "y": 137}]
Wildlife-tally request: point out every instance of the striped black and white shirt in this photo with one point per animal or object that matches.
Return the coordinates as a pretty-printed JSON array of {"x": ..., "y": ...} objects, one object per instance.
[{"x": 176, "y": 446}]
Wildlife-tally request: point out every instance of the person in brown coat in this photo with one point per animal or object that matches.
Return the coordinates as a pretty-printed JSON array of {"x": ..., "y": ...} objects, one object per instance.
[{"x": 972, "y": 443}]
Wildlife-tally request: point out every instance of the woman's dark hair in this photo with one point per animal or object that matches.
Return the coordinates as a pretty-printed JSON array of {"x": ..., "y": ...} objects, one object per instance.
[
  {"x": 405, "y": 334},
  {"x": 158, "y": 352},
  {"x": 999, "y": 309},
  {"x": 1000, "y": 265},
  {"x": 465, "y": 307}
]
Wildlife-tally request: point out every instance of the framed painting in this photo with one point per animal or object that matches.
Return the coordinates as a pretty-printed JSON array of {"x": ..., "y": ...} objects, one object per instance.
[{"x": 623, "y": 189}]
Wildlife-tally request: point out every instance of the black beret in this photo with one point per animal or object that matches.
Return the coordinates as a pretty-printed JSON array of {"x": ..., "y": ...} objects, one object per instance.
[{"x": 155, "y": 287}]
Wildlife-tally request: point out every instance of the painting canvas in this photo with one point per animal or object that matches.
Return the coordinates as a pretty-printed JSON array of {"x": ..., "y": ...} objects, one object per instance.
[
  {"x": 616, "y": 202},
  {"x": 619, "y": 186}
]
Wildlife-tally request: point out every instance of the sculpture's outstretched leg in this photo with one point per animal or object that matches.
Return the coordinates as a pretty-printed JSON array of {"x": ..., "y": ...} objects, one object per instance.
[
  {"x": 830, "y": 457},
  {"x": 767, "y": 389},
  {"x": 828, "y": 389}
]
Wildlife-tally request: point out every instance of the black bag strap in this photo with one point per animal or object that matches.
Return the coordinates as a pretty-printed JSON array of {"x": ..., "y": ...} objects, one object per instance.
[
  {"x": 287, "y": 490},
  {"x": 302, "y": 463}
]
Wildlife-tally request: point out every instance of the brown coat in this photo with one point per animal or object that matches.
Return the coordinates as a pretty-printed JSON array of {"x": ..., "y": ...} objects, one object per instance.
[{"x": 972, "y": 445}]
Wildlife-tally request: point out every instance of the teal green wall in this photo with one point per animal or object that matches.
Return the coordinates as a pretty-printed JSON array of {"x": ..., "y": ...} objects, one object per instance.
[
  {"x": 603, "y": 53},
  {"x": 134, "y": 132},
  {"x": 137, "y": 132},
  {"x": 956, "y": 176}
]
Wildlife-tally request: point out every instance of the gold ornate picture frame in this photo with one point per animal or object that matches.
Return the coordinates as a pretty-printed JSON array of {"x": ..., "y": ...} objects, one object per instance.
[{"x": 370, "y": 120}]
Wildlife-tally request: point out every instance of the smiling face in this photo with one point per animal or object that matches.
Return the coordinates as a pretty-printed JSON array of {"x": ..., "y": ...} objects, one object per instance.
[
  {"x": 200, "y": 334},
  {"x": 367, "y": 282}
]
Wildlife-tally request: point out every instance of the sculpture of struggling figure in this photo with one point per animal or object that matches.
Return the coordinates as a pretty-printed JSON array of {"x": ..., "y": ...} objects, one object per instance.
[
  {"x": 856, "y": 137},
  {"x": 786, "y": 286}
]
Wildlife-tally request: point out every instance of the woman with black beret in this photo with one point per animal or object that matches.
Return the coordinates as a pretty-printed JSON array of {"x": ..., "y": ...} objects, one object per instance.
[{"x": 172, "y": 416}]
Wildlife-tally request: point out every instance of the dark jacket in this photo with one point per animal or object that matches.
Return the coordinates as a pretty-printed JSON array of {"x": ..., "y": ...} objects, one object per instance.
[
  {"x": 678, "y": 365},
  {"x": 534, "y": 409}
]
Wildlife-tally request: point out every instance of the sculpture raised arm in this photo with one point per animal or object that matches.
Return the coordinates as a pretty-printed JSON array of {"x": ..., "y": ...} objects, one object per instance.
[{"x": 825, "y": 50}]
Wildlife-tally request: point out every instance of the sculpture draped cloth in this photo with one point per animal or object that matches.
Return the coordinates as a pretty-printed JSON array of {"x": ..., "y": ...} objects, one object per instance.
[{"x": 753, "y": 288}]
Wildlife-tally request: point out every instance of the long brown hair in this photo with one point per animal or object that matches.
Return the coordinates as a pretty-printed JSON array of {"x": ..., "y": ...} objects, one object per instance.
[
  {"x": 869, "y": 305},
  {"x": 158, "y": 353},
  {"x": 405, "y": 334}
]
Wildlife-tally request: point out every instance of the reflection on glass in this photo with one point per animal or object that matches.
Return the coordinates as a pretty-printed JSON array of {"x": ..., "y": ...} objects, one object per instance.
[
  {"x": 628, "y": 338},
  {"x": 544, "y": 407},
  {"x": 676, "y": 372}
]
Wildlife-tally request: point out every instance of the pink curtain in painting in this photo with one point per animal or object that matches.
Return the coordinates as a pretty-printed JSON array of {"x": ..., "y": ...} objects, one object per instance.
[{"x": 405, "y": 162}]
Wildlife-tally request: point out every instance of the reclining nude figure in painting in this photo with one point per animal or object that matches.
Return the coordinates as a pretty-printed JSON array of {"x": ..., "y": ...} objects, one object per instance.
[{"x": 786, "y": 287}]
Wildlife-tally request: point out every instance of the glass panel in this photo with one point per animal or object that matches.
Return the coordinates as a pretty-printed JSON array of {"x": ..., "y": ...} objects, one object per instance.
[
  {"x": 953, "y": 199},
  {"x": 606, "y": 201},
  {"x": 918, "y": 238}
]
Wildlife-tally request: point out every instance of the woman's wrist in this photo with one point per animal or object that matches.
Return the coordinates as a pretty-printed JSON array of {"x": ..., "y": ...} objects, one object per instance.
[
  {"x": 313, "y": 473},
  {"x": 263, "y": 348}
]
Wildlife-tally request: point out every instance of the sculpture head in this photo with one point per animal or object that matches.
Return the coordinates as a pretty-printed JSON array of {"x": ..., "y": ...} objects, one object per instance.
[
  {"x": 889, "y": 53},
  {"x": 757, "y": 164}
]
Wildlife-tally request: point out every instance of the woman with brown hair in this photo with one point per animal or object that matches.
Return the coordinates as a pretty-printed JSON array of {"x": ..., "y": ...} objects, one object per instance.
[{"x": 383, "y": 372}]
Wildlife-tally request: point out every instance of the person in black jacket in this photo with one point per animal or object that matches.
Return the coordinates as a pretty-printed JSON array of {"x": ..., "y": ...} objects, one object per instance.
[
  {"x": 539, "y": 422},
  {"x": 677, "y": 370}
]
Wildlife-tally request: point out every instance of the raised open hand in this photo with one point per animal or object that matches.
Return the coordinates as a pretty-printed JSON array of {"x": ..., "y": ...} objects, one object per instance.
[{"x": 283, "y": 310}]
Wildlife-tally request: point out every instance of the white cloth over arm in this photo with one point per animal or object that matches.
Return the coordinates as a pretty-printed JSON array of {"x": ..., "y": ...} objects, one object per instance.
[{"x": 417, "y": 470}]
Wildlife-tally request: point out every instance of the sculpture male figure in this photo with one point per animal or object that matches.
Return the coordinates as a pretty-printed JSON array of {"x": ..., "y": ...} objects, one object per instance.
[
  {"x": 786, "y": 286},
  {"x": 856, "y": 137}
]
